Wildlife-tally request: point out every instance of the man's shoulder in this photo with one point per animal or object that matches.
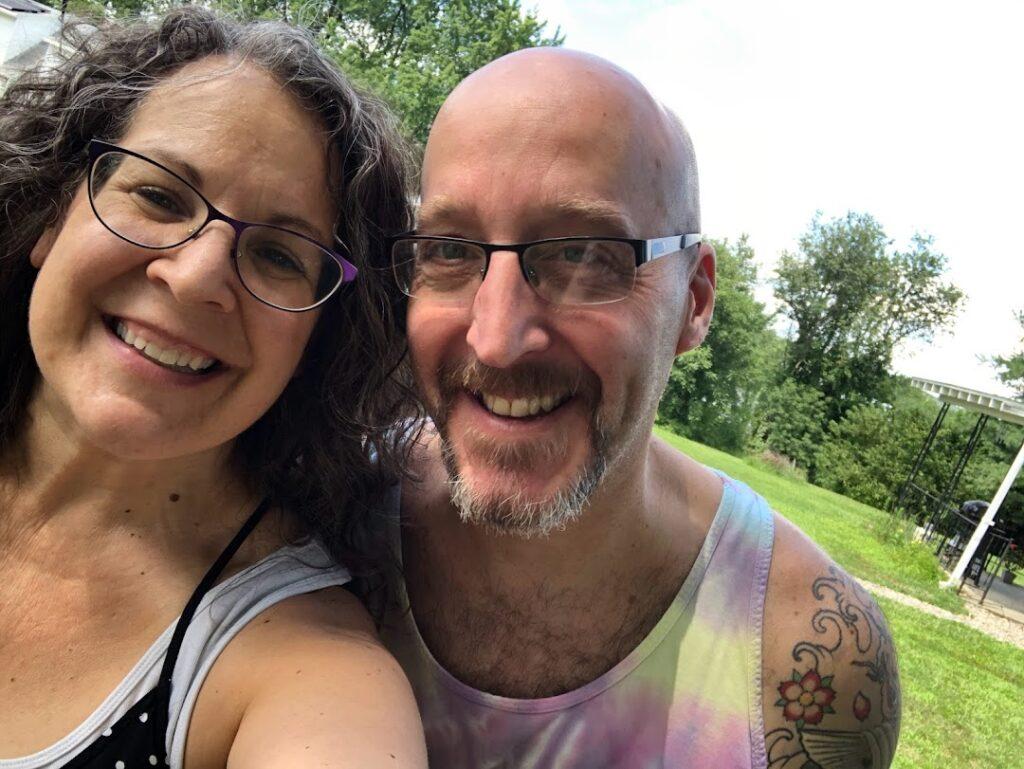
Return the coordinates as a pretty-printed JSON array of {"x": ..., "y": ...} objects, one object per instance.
[{"x": 830, "y": 680}]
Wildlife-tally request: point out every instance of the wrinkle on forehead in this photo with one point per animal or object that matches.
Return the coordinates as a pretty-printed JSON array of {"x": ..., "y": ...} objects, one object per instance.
[{"x": 250, "y": 137}]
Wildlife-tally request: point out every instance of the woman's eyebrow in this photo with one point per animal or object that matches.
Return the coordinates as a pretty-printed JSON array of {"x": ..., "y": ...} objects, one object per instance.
[
  {"x": 291, "y": 222},
  {"x": 177, "y": 164},
  {"x": 192, "y": 175}
]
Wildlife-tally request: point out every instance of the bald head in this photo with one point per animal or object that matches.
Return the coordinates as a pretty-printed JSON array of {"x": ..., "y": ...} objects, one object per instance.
[{"x": 540, "y": 122}]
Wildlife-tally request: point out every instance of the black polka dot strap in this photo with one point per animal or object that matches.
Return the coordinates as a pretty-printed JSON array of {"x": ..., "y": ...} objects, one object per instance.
[
  {"x": 138, "y": 739},
  {"x": 132, "y": 742}
]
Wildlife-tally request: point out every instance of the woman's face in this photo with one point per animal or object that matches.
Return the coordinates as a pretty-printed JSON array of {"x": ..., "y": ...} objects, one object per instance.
[{"x": 257, "y": 156}]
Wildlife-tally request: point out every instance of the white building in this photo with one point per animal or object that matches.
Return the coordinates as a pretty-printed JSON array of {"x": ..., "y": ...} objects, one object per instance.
[{"x": 28, "y": 37}]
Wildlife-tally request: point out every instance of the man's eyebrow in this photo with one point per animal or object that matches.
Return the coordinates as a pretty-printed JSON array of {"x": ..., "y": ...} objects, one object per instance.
[
  {"x": 438, "y": 208},
  {"x": 596, "y": 211}
]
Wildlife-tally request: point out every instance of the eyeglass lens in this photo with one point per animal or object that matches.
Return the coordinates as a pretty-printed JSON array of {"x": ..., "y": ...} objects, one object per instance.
[
  {"x": 561, "y": 272},
  {"x": 144, "y": 204}
]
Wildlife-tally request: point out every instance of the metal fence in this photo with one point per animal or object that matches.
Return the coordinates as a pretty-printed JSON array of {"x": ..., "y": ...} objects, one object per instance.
[{"x": 941, "y": 523}]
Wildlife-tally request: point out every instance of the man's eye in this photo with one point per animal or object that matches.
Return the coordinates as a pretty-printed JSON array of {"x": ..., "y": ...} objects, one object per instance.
[
  {"x": 452, "y": 251},
  {"x": 574, "y": 254}
]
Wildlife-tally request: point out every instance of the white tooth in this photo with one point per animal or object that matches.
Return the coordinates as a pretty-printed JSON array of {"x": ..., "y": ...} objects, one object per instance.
[
  {"x": 168, "y": 356},
  {"x": 139, "y": 343},
  {"x": 129, "y": 336},
  {"x": 152, "y": 351},
  {"x": 547, "y": 402},
  {"x": 501, "y": 407},
  {"x": 194, "y": 363},
  {"x": 120, "y": 329},
  {"x": 488, "y": 401},
  {"x": 182, "y": 359},
  {"x": 520, "y": 407},
  {"x": 534, "y": 406},
  {"x": 206, "y": 362}
]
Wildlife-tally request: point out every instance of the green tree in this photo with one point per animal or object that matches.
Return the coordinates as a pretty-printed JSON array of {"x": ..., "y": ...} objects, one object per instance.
[
  {"x": 869, "y": 453},
  {"x": 414, "y": 52},
  {"x": 410, "y": 52},
  {"x": 852, "y": 299},
  {"x": 1011, "y": 368},
  {"x": 713, "y": 390},
  {"x": 790, "y": 419}
]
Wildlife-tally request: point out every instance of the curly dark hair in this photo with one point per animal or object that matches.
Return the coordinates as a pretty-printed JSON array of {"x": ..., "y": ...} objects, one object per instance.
[{"x": 328, "y": 446}]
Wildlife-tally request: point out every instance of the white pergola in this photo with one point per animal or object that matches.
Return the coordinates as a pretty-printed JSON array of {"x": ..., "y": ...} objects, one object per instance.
[{"x": 1006, "y": 409}]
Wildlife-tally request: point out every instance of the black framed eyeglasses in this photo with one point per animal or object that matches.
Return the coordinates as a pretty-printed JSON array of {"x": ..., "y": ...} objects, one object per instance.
[
  {"x": 149, "y": 205},
  {"x": 570, "y": 271}
]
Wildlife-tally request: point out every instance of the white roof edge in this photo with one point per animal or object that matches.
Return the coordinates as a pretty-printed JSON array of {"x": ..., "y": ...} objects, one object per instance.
[{"x": 998, "y": 406}]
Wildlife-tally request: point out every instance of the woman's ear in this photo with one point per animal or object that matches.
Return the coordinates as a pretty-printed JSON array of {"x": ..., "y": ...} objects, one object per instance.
[{"x": 42, "y": 247}]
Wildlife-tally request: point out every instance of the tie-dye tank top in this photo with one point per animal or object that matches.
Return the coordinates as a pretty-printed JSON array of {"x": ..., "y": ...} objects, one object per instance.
[{"x": 688, "y": 696}]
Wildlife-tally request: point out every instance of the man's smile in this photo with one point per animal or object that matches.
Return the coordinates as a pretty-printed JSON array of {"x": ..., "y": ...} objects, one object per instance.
[{"x": 523, "y": 406}]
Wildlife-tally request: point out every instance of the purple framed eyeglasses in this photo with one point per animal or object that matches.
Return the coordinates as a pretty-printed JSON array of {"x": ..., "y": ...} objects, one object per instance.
[{"x": 149, "y": 205}]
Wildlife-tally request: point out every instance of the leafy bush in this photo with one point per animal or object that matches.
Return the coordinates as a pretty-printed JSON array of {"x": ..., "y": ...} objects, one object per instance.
[
  {"x": 789, "y": 422},
  {"x": 869, "y": 453},
  {"x": 712, "y": 391}
]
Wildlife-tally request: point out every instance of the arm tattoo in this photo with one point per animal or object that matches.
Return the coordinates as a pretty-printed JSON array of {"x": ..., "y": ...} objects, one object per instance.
[{"x": 848, "y": 620}]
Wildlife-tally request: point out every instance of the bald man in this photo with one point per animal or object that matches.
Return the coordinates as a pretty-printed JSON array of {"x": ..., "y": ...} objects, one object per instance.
[{"x": 578, "y": 594}]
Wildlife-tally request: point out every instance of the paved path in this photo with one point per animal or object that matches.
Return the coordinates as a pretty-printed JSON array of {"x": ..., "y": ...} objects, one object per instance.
[{"x": 978, "y": 617}]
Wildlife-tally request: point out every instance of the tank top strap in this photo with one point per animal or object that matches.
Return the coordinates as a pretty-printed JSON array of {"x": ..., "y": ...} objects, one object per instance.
[{"x": 207, "y": 582}]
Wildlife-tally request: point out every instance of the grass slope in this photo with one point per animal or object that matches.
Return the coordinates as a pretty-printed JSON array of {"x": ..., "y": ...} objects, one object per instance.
[
  {"x": 963, "y": 694},
  {"x": 845, "y": 529}
]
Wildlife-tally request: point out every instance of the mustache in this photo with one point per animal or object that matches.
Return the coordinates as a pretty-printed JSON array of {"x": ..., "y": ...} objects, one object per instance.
[{"x": 521, "y": 380}]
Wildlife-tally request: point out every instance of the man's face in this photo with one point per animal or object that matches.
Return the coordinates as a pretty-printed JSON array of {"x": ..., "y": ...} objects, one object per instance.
[{"x": 539, "y": 405}]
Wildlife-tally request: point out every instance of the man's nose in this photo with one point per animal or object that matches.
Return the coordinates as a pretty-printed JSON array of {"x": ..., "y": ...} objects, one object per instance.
[
  {"x": 200, "y": 272},
  {"x": 508, "y": 318}
]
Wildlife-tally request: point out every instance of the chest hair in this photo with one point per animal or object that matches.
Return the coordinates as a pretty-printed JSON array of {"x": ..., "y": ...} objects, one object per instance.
[{"x": 546, "y": 642}]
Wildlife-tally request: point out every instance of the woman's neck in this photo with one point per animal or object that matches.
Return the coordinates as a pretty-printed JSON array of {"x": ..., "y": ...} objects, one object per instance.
[{"x": 54, "y": 479}]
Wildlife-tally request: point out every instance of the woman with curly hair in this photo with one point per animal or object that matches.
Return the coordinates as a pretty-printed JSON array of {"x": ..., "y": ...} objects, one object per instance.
[{"x": 197, "y": 358}]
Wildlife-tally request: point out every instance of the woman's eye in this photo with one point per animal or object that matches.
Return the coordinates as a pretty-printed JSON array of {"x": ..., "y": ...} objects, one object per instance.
[
  {"x": 280, "y": 260},
  {"x": 161, "y": 199}
]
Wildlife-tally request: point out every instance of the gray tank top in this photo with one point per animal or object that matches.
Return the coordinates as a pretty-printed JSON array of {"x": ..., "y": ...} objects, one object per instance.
[{"x": 223, "y": 612}]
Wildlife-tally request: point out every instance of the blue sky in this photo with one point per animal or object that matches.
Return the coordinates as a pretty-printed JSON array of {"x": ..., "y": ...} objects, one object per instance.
[{"x": 911, "y": 111}]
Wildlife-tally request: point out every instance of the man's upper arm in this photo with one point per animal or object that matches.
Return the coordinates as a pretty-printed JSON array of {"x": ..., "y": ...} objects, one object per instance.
[
  {"x": 831, "y": 693},
  {"x": 329, "y": 696}
]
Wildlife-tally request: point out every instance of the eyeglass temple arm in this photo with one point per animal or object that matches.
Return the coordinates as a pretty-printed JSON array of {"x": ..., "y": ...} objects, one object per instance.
[{"x": 659, "y": 247}]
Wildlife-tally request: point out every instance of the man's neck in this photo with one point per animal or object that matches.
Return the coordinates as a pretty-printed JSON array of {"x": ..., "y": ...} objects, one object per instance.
[{"x": 542, "y": 616}]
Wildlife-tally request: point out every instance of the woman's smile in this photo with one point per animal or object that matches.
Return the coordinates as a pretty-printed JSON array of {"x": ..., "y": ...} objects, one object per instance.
[{"x": 150, "y": 356}]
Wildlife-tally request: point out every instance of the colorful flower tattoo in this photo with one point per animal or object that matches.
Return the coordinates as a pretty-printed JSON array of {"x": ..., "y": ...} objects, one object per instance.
[
  {"x": 848, "y": 627},
  {"x": 806, "y": 699}
]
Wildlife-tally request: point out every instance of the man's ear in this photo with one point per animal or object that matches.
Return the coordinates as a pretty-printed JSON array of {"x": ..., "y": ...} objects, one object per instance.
[
  {"x": 700, "y": 304},
  {"x": 42, "y": 247}
]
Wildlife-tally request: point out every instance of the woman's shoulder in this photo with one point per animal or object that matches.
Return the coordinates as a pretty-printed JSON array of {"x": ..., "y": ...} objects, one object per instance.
[{"x": 309, "y": 665}]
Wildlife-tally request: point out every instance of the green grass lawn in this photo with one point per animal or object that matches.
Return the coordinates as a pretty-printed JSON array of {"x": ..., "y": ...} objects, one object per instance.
[
  {"x": 845, "y": 529},
  {"x": 963, "y": 692}
]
